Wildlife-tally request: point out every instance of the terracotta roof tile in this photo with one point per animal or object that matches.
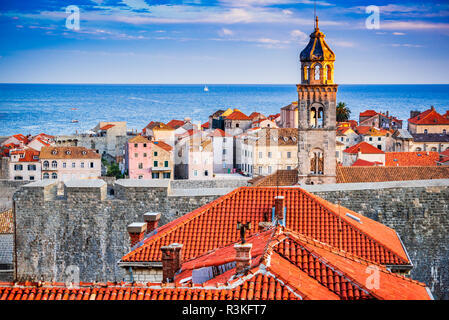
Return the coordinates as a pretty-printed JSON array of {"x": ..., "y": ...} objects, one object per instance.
[
  {"x": 29, "y": 155},
  {"x": 238, "y": 115},
  {"x": 138, "y": 139},
  {"x": 363, "y": 147},
  {"x": 424, "y": 158},
  {"x": 364, "y": 163},
  {"x": 68, "y": 153},
  {"x": 429, "y": 117},
  {"x": 381, "y": 174},
  {"x": 213, "y": 226},
  {"x": 163, "y": 145},
  {"x": 107, "y": 127},
  {"x": 175, "y": 124}
]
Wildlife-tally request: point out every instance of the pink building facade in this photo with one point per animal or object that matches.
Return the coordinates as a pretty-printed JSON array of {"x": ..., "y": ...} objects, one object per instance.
[{"x": 138, "y": 158}]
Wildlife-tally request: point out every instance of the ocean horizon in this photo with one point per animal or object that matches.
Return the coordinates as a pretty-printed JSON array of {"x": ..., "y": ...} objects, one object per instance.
[{"x": 34, "y": 108}]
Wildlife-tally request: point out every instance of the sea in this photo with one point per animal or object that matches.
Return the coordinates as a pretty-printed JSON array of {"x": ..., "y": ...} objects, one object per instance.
[{"x": 55, "y": 108}]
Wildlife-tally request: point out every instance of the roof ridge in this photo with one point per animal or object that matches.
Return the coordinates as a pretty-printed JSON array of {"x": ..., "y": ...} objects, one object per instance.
[{"x": 326, "y": 205}]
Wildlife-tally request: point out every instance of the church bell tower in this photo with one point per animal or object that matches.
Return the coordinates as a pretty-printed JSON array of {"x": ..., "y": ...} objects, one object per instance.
[{"x": 317, "y": 96}]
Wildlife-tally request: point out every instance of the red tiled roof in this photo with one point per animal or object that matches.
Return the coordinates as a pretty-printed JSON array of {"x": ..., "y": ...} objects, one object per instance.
[
  {"x": 175, "y": 124},
  {"x": 107, "y": 127},
  {"x": 162, "y": 145},
  {"x": 362, "y": 129},
  {"x": 255, "y": 115},
  {"x": 219, "y": 133},
  {"x": 309, "y": 268},
  {"x": 401, "y": 159},
  {"x": 213, "y": 226},
  {"x": 205, "y": 125},
  {"x": 237, "y": 115},
  {"x": 364, "y": 163},
  {"x": 363, "y": 147},
  {"x": 429, "y": 117},
  {"x": 368, "y": 113},
  {"x": 21, "y": 137},
  {"x": 28, "y": 155},
  {"x": 285, "y": 266}
]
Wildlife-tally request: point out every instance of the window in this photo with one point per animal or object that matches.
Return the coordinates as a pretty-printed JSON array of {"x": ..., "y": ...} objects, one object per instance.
[
  {"x": 54, "y": 164},
  {"x": 317, "y": 72},
  {"x": 224, "y": 151},
  {"x": 195, "y": 173},
  {"x": 260, "y": 155},
  {"x": 155, "y": 153},
  {"x": 144, "y": 155},
  {"x": 31, "y": 178},
  {"x": 54, "y": 175},
  {"x": 31, "y": 167},
  {"x": 46, "y": 164},
  {"x": 18, "y": 167},
  {"x": 166, "y": 164},
  {"x": 370, "y": 139},
  {"x": 289, "y": 167},
  {"x": 144, "y": 145},
  {"x": 136, "y": 155},
  {"x": 269, "y": 169},
  {"x": 155, "y": 175},
  {"x": 166, "y": 175},
  {"x": 46, "y": 176},
  {"x": 289, "y": 155},
  {"x": 379, "y": 139},
  {"x": 269, "y": 154},
  {"x": 82, "y": 164},
  {"x": 64, "y": 165},
  {"x": 379, "y": 147},
  {"x": 155, "y": 163},
  {"x": 91, "y": 164},
  {"x": 140, "y": 177},
  {"x": 73, "y": 165},
  {"x": 18, "y": 178},
  {"x": 135, "y": 145},
  {"x": 444, "y": 131},
  {"x": 140, "y": 165},
  {"x": 206, "y": 173},
  {"x": 237, "y": 125},
  {"x": 224, "y": 140},
  {"x": 425, "y": 131},
  {"x": 260, "y": 170}
]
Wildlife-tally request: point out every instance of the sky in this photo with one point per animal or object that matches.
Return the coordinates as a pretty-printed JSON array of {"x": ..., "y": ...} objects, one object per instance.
[{"x": 219, "y": 41}]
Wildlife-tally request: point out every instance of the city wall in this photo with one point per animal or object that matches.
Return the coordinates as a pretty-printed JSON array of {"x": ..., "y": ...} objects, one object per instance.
[{"x": 86, "y": 227}]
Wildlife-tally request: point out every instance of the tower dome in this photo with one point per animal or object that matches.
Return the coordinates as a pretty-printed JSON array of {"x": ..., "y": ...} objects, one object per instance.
[{"x": 317, "y": 49}]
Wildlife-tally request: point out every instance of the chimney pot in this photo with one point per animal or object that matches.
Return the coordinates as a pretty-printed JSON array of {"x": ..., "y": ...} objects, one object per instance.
[
  {"x": 243, "y": 256},
  {"x": 279, "y": 207},
  {"x": 136, "y": 232},
  {"x": 152, "y": 219},
  {"x": 171, "y": 261}
]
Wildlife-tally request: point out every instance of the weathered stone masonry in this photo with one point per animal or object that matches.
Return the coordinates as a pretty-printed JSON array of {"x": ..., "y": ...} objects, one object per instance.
[{"x": 89, "y": 230}]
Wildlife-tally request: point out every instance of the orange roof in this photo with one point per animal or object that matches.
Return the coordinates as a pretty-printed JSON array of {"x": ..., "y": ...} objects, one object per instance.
[
  {"x": 364, "y": 163},
  {"x": 163, "y": 145},
  {"x": 68, "y": 153},
  {"x": 29, "y": 155},
  {"x": 363, "y": 129},
  {"x": 368, "y": 113},
  {"x": 219, "y": 133},
  {"x": 424, "y": 158},
  {"x": 255, "y": 115},
  {"x": 205, "y": 125},
  {"x": 237, "y": 115},
  {"x": 107, "y": 127},
  {"x": 213, "y": 225},
  {"x": 175, "y": 124},
  {"x": 21, "y": 137},
  {"x": 381, "y": 173},
  {"x": 285, "y": 265},
  {"x": 429, "y": 117},
  {"x": 363, "y": 147}
]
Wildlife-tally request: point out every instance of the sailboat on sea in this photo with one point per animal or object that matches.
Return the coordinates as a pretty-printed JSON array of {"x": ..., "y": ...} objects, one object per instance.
[{"x": 206, "y": 89}]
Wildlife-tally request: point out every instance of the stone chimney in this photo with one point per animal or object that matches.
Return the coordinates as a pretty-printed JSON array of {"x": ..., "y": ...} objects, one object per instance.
[
  {"x": 152, "y": 219},
  {"x": 279, "y": 208},
  {"x": 242, "y": 256},
  {"x": 171, "y": 261},
  {"x": 136, "y": 232}
]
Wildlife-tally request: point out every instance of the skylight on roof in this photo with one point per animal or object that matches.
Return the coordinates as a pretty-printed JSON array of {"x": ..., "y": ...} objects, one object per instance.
[{"x": 353, "y": 217}]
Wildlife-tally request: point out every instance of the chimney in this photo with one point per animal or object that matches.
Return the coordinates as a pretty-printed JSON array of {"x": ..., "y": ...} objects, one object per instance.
[
  {"x": 279, "y": 208},
  {"x": 152, "y": 219},
  {"x": 171, "y": 261},
  {"x": 242, "y": 256},
  {"x": 136, "y": 232}
]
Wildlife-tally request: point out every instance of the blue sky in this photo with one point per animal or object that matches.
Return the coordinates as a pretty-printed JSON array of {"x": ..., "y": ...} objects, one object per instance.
[{"x": 219, "y": 41}]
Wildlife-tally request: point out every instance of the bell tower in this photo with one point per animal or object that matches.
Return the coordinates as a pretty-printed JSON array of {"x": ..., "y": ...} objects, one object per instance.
[{"x": 317, "y": 96}]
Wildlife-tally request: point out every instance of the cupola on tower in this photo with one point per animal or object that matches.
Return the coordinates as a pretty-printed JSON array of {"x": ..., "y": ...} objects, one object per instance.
[{"x": 317, "y": 95}]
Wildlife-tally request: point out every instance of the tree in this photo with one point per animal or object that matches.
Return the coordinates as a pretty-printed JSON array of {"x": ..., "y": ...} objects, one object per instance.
[{"x": 343, "y": 112}]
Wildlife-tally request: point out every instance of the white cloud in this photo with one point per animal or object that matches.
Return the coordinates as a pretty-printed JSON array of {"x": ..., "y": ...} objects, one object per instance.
[
  {"x": 398, "y": 33},
  {"x": 225, "y": 32},
  {"x": 413, "y": 25},
  {"x": 298, "y": 34}
]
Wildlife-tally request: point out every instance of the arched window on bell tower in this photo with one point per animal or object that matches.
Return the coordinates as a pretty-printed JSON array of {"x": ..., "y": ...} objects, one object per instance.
[
  {"x": 320, "y": 118},
  {"x": 317, "y": 162},
  {"x": 313, "y": 117},
  {"x": 306, "y": 73},
  {"x": 317, "y": 71}
]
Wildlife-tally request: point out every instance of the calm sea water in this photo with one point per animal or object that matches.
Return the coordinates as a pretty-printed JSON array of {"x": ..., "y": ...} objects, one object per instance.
[{"x": 35, "y": 108}]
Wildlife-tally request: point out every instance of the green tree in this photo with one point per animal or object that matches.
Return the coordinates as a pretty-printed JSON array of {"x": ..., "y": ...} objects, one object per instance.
[{"x": 343, "y": 112}]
